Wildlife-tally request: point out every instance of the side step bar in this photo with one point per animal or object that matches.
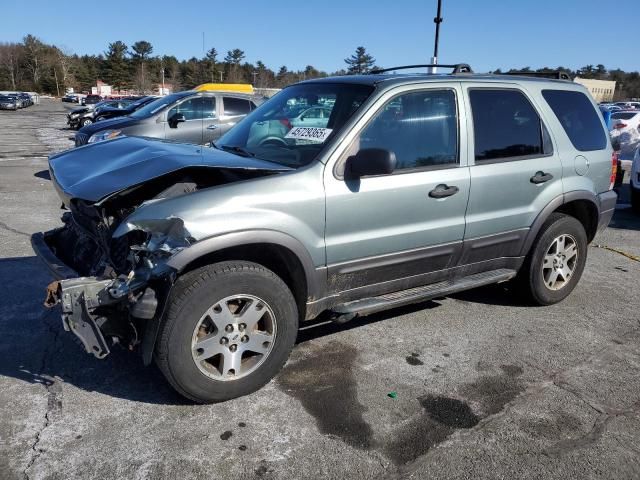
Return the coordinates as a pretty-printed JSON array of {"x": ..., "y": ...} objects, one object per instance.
[{"x": 367, "y": 306}]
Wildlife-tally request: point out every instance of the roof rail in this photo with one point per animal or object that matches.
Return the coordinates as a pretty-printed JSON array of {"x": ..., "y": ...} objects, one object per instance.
[
  {"x": 456, "y": 68},
  {"x": 555, "y": 74}
]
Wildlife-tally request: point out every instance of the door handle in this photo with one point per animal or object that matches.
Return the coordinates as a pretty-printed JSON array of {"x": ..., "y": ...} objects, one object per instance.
[
  {"x": 541, "y": 177},
  {"x": 442, "y": 191},
  {"x": 212, "y": 127}
]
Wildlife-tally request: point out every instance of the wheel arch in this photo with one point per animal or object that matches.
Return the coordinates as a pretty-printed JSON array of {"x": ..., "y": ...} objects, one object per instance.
[
  {"x": 279, "y": 252},
  {"x": 580, "y": 204}
]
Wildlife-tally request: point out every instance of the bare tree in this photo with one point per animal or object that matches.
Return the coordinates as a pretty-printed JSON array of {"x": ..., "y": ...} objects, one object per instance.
[
  {"x": 63, "y": 57},
  {"x": 9, "y": 60},
  {"x": 33, "y": 57}
]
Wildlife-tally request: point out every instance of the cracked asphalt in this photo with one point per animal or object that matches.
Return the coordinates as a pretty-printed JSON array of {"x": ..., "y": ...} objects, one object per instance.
[{"x": 484, "y": 386}]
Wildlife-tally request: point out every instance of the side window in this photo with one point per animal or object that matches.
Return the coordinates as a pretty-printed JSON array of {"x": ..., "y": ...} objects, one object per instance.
[
  {"x": 191, "y": 109},
  {"x": 506, "y": 125},
  {"x": 578, "y": 119},
  {"x": 421, "y": 128},
  {"x": 234, "y": 107},
  {"x": 209, "y": 107}
]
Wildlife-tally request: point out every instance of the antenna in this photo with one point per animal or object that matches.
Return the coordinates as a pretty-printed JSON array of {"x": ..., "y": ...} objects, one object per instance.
[{"x": 437, "y": 21}]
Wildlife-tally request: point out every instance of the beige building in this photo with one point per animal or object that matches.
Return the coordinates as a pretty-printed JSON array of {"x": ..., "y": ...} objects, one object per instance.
[{"x": 601, "y": 90}]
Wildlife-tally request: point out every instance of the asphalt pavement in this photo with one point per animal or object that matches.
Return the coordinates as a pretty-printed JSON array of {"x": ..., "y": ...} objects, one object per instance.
[{"x": 473, "y": 386}]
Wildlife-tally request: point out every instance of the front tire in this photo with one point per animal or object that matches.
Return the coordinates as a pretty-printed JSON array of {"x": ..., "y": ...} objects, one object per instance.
[
  {"x": 555, "y": 262},
  {"x": 84, "y": 122},
  {"x": 228, "y": 330}
]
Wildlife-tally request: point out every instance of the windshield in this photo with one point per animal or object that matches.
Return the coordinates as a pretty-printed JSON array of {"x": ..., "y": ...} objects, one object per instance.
[
  {"x": 292, "y": 127},
  {"x": 156, "y": 106}
]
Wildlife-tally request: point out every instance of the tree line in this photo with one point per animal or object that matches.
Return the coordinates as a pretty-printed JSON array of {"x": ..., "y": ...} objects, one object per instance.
[{"x": 33, "y": 65}]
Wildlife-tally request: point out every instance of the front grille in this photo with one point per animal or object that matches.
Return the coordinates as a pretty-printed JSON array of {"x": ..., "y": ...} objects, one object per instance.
[{"x": 81, "y": 139}]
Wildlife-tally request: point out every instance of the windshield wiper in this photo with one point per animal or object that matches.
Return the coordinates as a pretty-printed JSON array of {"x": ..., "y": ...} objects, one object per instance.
[{"x": 243, "y": 152}]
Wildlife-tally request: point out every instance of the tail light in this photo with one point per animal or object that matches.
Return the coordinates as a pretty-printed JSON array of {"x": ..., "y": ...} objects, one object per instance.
[
  {"x": 620, "y": 125},
  {"x": 614, "y": 170}
]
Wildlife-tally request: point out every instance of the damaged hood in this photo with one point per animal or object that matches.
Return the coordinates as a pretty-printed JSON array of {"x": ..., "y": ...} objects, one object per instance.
[{"x": 94, "y": 172}]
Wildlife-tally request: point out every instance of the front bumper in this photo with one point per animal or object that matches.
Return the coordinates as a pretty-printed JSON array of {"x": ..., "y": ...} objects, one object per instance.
[{"x": 607, "y": 201}]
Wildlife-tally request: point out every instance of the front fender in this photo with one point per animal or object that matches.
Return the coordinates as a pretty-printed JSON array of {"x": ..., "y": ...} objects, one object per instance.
[{"x": 316, "y": 277}]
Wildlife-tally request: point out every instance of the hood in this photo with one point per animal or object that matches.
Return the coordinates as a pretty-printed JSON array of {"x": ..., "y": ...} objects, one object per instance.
[
  {"x": 79, "y": 110},
  {"x": 94, "y": 172},
  {"x": 111, "y": 124}
]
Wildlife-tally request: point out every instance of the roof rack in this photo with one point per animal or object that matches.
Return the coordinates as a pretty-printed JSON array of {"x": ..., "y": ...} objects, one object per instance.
[
  {"x": 555, "y": 74},
  {"x": 457, "y": 68}
]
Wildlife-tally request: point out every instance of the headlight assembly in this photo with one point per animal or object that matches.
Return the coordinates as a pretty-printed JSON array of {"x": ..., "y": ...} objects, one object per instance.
[{"x": 104, "y": 135}]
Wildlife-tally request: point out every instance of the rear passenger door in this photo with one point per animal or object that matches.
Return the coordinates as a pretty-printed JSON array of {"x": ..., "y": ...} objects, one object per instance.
[
  {"x": 234, "y": 109},
  {"x": 514, "y": 170}
]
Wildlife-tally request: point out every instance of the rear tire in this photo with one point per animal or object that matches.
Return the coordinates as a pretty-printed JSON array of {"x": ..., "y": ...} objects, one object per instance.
[
  {"x": 635, "y": 199},
  {"x": 203, "y": 349},
  {"x": 555, "y": 262}
]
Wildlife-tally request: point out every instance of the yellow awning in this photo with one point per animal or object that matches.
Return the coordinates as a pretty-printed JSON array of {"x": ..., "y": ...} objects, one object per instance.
[{"x": 225, "y": 87}]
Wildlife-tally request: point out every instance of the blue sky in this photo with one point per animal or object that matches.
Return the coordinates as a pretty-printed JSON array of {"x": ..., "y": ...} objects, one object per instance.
[{"x": 488, "y": 34}]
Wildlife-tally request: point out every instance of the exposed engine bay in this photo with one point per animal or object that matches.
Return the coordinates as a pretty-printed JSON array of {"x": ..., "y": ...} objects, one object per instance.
[{"x": 116, "y": 285}]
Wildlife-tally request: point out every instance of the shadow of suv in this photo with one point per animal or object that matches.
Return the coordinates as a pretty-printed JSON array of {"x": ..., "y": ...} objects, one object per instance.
[{"x": 411, "y": 187}]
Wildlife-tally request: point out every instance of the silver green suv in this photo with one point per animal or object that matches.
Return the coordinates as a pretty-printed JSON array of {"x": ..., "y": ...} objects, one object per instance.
[{"x": 208, "y": 259}]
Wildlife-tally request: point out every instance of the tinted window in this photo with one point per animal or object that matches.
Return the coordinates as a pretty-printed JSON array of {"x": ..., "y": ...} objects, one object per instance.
[
  {"x": 191, "y": 109},
  {"x": 505, "y": 125},
  {"x": 578, "y": 118},
  {"x": 623, "y": 115},
  {"x": 236, "y": 106},
  {"x": 421, "y": 128}
]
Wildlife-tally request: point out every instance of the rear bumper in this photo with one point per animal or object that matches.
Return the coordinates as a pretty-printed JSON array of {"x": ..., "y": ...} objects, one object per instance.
[{"x": 607, "y": 201}]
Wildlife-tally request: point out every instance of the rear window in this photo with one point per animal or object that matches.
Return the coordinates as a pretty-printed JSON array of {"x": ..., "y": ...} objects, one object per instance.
[
  {"x": 623, "y": 115},
  {"x": 578, "y": 118}
]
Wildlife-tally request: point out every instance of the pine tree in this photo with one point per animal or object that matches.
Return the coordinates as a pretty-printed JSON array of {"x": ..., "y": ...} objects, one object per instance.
[
  {"x": 360, "y": 62},
  {"x": 116, "y": 67}
]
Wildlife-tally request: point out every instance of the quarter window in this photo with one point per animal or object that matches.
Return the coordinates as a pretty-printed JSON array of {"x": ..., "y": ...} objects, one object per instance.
[
  {"x": 506, "y": 126},
  {"x": 578, "y": 119},
  {"x": 421, "y": 128}
]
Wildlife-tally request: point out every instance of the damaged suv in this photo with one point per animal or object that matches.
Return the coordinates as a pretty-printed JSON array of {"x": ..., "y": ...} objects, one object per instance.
[{"x": 208, "y": 259}]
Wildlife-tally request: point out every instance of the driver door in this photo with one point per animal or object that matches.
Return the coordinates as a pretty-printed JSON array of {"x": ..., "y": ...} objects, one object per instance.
[{"x": 185, "y": 121}]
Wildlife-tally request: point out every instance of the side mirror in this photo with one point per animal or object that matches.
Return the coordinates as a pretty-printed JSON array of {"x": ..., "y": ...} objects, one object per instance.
[
  {"x": 175, "y": 119},
  {"x": 370, "y": 161}
]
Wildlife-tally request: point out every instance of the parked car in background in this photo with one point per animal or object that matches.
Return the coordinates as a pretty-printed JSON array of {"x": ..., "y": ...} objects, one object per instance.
[
  {"x": 83, "y": 116},
  {"x": 312, "y": 117},
  {"x": 9, "y": 102},
  {"x": 418, "y": 186},
  {"x": 625, "y": 120},
  {"x": 625, "y": 129},
  {"x": 107, "y": 112},
  {"x": 91, "y": 99},
  {"x": 70, "y": 98},
  {"x": 192, "y": 117}
]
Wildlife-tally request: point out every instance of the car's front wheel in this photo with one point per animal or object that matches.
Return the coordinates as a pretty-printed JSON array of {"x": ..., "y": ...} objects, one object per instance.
[
  {"x": 85, "y": 121},
  {"x": 556, "y": 260},
  {"x": 228, "y": 329}
]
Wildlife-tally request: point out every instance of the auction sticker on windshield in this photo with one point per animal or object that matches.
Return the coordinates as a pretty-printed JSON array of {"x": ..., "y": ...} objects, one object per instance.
[{"x": 309, "y": 133}]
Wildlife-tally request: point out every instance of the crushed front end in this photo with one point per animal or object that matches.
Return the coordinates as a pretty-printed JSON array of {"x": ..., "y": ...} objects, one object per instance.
[{"x": 109, "y": 288}]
